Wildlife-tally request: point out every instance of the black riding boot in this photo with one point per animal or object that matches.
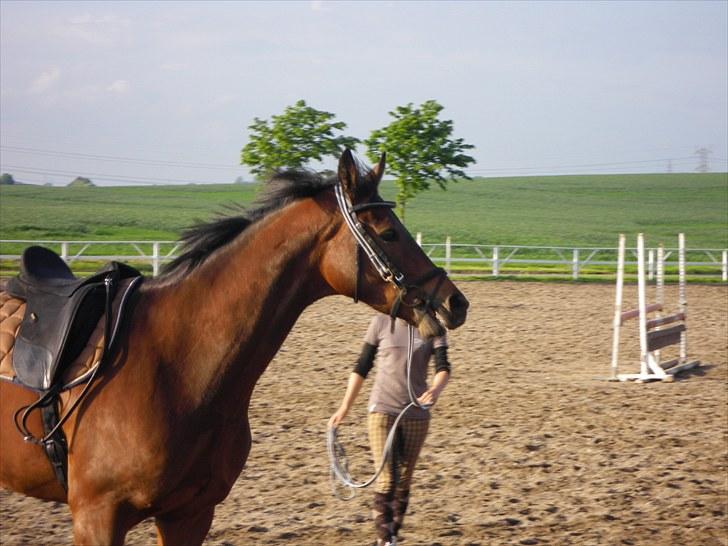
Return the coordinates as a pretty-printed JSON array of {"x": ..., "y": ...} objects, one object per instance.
[
  {"x": 399, "y": 509},
  {"x": 383, "y": 517}
]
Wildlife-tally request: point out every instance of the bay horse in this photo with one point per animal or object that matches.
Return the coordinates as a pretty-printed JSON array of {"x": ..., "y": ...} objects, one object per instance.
[{"x": 164, "y": 430}]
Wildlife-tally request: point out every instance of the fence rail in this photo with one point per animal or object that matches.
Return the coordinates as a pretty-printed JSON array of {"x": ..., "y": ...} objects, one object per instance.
[{"x": 482, "y": 259}]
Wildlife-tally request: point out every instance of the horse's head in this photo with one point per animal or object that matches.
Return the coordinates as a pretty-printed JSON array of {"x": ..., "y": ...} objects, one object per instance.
[{"x": 374, "y": 258}]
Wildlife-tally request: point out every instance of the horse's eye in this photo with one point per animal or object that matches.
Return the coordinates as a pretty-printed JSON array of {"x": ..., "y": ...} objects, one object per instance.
[{"x": 388, "y": 235}]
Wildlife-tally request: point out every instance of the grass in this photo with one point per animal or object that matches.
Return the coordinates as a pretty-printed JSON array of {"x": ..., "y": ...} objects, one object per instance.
[
  {"x": 577, "y": 210},
  {"x": 541, "y": 211}
]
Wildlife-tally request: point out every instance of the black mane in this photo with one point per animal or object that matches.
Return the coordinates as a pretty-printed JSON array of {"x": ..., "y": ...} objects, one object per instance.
[{"x": 202, "y": 239}]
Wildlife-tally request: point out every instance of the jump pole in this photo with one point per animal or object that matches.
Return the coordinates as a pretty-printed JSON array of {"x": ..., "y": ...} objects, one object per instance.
[
  {"x": 646, "y": 360},
  {"x": 682, "y": 298},
  {"x": 617, "y": 323}
]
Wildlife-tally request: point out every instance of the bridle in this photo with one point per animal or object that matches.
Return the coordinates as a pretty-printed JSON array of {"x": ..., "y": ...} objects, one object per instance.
[{"x": 408, "y": 291}]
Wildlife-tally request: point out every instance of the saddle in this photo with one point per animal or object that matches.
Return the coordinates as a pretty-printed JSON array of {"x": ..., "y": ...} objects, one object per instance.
[{"x": 61, "y": 314}]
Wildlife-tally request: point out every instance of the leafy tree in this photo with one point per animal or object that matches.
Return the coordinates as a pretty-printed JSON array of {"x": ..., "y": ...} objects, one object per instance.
[
  {"x": 7, "y": 179},
  {"x": 299, "y": 135},
  {"x": 420, "y": 149}
]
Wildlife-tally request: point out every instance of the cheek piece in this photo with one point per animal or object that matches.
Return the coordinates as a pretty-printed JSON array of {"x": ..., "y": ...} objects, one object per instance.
[{"x": 410, "y": 292}]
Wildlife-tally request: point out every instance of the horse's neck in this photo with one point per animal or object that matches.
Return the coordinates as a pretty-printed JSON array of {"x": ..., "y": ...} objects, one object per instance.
[{"x": 234, "y": 311}]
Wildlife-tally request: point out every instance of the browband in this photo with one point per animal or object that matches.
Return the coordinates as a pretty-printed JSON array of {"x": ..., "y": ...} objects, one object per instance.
[{"x": 365, "y": 206}]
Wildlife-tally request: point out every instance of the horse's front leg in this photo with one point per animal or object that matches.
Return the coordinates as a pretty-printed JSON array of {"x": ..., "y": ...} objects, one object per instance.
[
  {"x": 184, "y": 530},
  {"x": 97, "y": 522}
]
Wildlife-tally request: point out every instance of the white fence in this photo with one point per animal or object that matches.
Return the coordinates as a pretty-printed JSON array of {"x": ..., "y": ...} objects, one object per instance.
[{"x": 492, "y": 260}]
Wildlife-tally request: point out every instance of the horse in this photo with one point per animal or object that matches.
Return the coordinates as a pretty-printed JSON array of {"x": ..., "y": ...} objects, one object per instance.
[{"x": 163, "y": 431}]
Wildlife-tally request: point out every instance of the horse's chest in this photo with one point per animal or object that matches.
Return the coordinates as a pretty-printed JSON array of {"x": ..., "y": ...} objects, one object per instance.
[{"x": 214, "y": 461}]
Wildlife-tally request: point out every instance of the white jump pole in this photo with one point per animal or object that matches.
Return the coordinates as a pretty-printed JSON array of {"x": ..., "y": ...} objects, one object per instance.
[
  {"x": 616, "y": 325},
  {"x": 682, "y": 299},
  {"x": 660, "y": 285},
  {"x": 642, "y": 302}
]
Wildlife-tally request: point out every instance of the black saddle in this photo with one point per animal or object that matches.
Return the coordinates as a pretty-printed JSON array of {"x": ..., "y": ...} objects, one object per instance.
[{"x": 60, "y": 315}]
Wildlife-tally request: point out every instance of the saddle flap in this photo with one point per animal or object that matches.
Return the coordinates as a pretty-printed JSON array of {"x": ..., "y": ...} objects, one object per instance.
[{"x": 54, "y": 330}]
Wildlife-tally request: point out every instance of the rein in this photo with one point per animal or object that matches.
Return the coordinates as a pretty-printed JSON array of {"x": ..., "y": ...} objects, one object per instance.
[{"x": 389, "y": 273}]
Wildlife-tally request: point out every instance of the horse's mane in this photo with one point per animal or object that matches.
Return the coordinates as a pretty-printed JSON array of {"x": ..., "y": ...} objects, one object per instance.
[{"x": 204, "y": 238}]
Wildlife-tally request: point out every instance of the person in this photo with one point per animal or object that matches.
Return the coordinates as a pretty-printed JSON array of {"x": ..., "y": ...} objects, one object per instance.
[{"x": 388, "y": 343}]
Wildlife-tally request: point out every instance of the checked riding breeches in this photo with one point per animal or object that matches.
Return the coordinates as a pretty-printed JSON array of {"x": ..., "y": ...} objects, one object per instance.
[{"x": 391, "y": 490}]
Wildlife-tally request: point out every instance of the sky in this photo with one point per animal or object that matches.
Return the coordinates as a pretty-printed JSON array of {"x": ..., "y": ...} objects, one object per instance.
[{"x": 164, "y": 92}]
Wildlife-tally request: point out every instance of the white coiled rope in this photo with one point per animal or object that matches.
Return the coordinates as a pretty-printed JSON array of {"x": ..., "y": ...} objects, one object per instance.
[{"x": 337, "y": 456}]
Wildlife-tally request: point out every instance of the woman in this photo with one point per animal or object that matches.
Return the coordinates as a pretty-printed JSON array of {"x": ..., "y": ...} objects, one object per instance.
[{"x": 390, "y": 395}]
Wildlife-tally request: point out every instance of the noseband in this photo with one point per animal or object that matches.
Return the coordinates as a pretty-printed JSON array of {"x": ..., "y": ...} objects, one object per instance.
[{"x": 410, "y": 292}]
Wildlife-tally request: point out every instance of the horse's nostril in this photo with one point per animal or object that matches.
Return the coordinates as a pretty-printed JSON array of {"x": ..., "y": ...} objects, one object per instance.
[{"x": 457, "y": 303}]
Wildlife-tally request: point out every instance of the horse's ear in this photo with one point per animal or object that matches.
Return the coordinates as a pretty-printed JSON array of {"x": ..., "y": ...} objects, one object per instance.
[
  {"x": 378, "y": 171},
  {"x": 358, "y": 187},
  {"x": 348, "y": 172}
]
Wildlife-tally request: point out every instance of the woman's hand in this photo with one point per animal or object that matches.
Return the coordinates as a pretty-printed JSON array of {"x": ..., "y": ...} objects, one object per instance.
[
  {"x": 337, "y": 418},
  {"x": 429, "y": 397}
]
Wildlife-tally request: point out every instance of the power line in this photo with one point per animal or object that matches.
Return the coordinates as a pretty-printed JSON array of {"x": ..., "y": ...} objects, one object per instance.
[
  {"x": 118, "y": 159},
  {"x": 586, "y": 165},
  {"x": 103, "y": 176}
]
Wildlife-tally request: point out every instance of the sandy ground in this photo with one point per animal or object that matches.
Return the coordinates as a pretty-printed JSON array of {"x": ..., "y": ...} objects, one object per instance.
[{"x": 527, "y": 445}]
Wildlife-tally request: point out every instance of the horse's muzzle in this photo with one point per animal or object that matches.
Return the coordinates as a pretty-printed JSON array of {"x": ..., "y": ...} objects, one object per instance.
[{"x": 454, "y": 310}]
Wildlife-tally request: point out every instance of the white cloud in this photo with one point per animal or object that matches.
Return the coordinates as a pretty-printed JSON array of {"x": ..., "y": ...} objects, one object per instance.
[
  {"x": 119, "y": 87},
  {"x": 45, "y": 80}
]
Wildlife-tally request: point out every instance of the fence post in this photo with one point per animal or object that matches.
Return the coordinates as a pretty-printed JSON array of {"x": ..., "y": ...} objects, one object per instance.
[
  {"x": 155, "y": 259},
  {"x": 575, "y": 265},
  {"x": 496, "y": 265},
  {"x": 448, "y": 254},
  {"x": 64, "y": 251}
]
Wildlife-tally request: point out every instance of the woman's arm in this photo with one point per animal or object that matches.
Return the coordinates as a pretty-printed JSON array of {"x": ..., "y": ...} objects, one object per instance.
[
  {"x": 352, "y": 391},
  {"x": 356, "y": 379},
  {"x": 442, "y": 375}
]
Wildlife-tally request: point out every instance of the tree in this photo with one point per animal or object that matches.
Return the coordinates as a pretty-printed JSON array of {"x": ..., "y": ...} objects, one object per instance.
[
  {"x": 299, "y": 135},
  {"x": 7, "y": 179},
  {"x": 420, "y": 149},
  {"x": 81, "y": 182}
]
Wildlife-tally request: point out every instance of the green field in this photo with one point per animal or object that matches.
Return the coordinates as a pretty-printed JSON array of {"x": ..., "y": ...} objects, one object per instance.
[{"x": 543, "y": 211}]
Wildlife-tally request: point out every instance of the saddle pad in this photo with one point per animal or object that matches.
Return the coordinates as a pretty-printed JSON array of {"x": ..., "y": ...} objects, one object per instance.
[{"x": 12, "y": 311}]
